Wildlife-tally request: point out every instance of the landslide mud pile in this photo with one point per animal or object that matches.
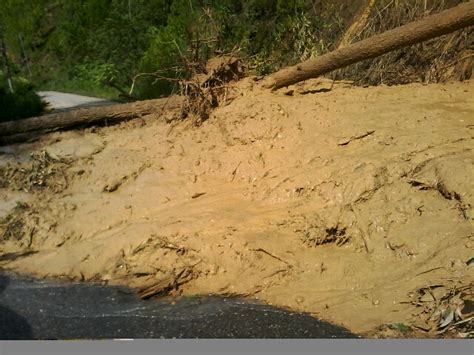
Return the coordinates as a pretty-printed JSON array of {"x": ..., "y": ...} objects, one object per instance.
[{"x": 353, "y": 204}]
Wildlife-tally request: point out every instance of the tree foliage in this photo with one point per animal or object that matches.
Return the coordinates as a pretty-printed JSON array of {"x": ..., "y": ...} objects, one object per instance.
[
  {"x": 131, "y": 46},
  {"x": 120, "y": 42}
]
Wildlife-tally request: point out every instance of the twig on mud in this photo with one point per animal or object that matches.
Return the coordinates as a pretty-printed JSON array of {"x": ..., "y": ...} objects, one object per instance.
[
  {"x": 361, "y": 228},
  {"x": 66, "y": 181},
  {"x": 427, "y": 271},
  {"x": 275, "y": 273},
  {"x": 195, "y": 264},
  {"x": 226, "y": 91},
  {"x": 171, "y": 127},
  {"x": 14, "y": 256},
  {"x": 167, "y": 284},
  {"x": 235, "y": 171},
  {"x": 169, "y": 245},
  {"x": 197, "y": 194},
  {"x": 273, "y": 256},
  {"x": 346, "y": 141},
  {"x": 32, "y": 232}
]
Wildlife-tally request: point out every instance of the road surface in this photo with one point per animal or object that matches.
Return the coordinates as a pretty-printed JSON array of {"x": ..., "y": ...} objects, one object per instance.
[
  {"x": 53, "y": 310},
  {"x": 60, "y": 101}
]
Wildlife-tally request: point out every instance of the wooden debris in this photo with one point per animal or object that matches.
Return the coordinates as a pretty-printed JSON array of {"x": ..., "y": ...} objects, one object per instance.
[
  {"x": 427, "y": 271},
  {"x": 346, "y": 141},
  {"x": 14, "y": 256},
  {"x": 166, "y": 284},
  {"x": 234, "y": 172},
  {"x": 22, "y": 130},
  {"x": 432, "y": 26},
  {"x": 271, "y": 255}
]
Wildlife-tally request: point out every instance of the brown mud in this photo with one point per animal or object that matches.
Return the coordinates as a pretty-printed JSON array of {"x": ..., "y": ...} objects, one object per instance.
[{"x": 353, "y": 204}]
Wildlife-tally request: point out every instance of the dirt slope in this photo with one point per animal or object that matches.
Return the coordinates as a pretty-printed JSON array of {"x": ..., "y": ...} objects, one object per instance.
[{"x": 340, "y": 201}]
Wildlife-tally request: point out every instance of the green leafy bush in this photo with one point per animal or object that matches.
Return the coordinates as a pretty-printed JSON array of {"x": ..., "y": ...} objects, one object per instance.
[{"x": 22, "y": 103}]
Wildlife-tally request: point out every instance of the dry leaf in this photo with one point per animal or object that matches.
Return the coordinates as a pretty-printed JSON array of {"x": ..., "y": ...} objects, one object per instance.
[{"x": 448, "y": 319}]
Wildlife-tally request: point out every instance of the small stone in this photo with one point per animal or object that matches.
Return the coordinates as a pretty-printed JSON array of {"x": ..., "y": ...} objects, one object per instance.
[
  {"x": 299, "y": 299},
  {"x": 113, "y": 185},
  {"x": 375, "y": 302},
  {"x": 105, "y": 279},
  {"x": 213, "y": 270}
]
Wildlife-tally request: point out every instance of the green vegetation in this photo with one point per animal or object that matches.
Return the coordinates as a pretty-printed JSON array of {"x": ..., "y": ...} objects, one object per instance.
[
  {"x": 22, "y": 103},
  {"x": 129, "y": 48},
  {"x": 102, "y": 47}
]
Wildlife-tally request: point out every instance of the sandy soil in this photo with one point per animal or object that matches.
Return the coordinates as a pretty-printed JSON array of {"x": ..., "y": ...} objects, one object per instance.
[{"x": 348, "y": 203}]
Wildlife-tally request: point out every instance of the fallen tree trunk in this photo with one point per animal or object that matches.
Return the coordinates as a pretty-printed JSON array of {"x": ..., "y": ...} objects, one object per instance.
[
  {"x": 429, "y": 27},
  {"x": 21, "y": 130}
]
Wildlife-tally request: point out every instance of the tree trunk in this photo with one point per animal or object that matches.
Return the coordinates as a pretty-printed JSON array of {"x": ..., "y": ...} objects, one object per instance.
[
  {"x": 21, "y": 130},
  {"x": 429, "y": 27}
]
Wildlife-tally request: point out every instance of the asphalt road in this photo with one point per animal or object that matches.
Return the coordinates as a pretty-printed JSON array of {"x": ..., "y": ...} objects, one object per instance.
[
  {"x": 60, "y": 101},
  {"x": 52, "y": 310}
]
